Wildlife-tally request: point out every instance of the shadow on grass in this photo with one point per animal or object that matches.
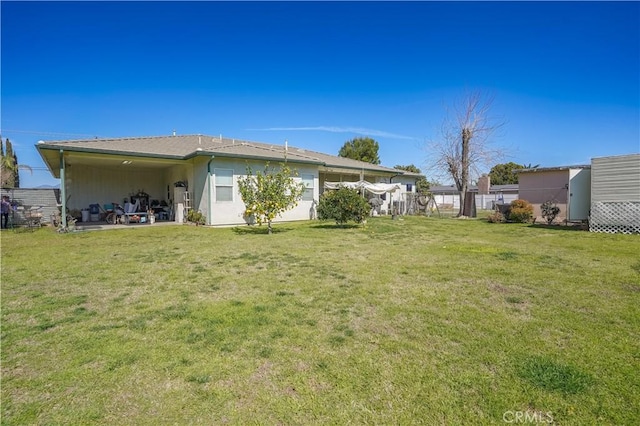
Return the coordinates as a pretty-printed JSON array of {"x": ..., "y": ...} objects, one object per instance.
[
  {"x": 336, "y": 226},
  {"x": 558, "y": 227},
  {"x": 259, "y": 230},
  {"x": 554, "y": 227}
]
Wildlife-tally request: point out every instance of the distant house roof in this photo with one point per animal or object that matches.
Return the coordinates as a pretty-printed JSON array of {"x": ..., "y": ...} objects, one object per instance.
[
  {"x": 188, "y": 146},
  {"x": 512, "y": 187},
  {"x": 440, "y": 189},
  {"x": 411, "y": 174},
  {"x": 553, "y": 169}
]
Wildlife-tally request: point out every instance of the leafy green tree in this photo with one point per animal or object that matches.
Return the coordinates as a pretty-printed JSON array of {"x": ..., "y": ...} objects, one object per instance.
[
  {"x": 409, "y": 168},
  {"x": 504, "y": 174},
  {"x": 269, "y": 193},
  {"x": 363, "y": 149},
  {"x": 422, "y": 184},
  {"x": 342, "y": 205}
]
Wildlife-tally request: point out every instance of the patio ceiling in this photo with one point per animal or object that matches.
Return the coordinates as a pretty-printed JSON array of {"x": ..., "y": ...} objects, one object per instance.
[{"x": 104, "y": 161}]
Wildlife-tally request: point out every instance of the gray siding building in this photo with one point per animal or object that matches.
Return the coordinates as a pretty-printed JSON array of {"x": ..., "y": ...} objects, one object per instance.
[{"x": 615, "y": 194}]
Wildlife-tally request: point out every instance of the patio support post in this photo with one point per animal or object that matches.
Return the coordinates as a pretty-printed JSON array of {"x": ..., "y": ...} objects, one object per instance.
[
  {"x": 209, "y": 196},
  {"x": 63, "y": 191}
]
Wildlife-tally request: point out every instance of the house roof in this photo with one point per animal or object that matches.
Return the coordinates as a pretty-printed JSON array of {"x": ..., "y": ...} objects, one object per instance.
[
  {"x": 440, "y": 189},
  {"x": 412, "y": 174},
  {"x": 181, "y": 147},
  {"x": 553, "y": 169}
]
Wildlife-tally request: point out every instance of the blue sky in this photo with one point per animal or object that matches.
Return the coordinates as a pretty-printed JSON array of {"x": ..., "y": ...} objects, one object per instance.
[{"x": 565, "y": 76}]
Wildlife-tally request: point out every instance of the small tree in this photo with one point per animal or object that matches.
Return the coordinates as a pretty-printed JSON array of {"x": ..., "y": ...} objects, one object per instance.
[
  {"x": 549, "y": 211},
  {"x": 270, "y": 193},
  {"x": 343, "y": 205}
]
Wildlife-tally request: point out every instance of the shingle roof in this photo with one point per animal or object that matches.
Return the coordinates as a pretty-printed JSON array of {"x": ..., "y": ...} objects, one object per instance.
[{"x": 186, "y": 146}]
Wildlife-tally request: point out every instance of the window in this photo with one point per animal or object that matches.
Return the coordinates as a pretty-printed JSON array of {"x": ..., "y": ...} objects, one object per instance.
[
  {"x": 307, "y": 180},
  {"x": 409, "y": 187},
  {"x": 224, "y": 184}
]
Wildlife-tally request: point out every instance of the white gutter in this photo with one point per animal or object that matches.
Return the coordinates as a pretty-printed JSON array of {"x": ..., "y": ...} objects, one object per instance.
[{"x": 209, "y": 196}]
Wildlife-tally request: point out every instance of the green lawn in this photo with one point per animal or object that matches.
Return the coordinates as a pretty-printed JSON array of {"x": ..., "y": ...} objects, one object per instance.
[{"x": 414, "y": 321}]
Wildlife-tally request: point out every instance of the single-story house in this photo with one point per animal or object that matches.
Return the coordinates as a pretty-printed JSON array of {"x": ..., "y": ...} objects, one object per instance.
[
  {"x": 568, "y": 187},
  {"x": 190, "y": 171}
]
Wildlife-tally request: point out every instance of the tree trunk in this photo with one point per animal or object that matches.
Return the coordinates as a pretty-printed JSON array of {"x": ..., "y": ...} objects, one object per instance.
[
  {"x": 269, "y": 227},
  {"x": 464, "y": 171}
]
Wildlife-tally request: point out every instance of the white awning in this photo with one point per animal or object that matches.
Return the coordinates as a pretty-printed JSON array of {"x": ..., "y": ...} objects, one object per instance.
[{"x": 374, "y": 188}]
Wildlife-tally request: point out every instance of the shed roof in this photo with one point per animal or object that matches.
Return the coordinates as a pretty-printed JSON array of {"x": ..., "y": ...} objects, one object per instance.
[{"x": 553, "y": 169}]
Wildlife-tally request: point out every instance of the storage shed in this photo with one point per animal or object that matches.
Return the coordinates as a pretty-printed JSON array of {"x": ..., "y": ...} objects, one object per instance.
[
  {"x": 615, "y": 194},
  {"x": 567, "y": 186}
]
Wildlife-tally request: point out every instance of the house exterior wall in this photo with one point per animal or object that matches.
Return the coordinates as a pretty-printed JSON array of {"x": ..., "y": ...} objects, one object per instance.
[
  {"x": 231, "y": 212},
  {"x": 408, "y": 183},
  {"x": 539, "y": 186},
  {"x": 178, "y": 173}
]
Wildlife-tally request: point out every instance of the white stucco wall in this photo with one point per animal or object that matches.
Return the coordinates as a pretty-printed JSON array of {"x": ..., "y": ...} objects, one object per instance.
[{"x": 231, "y": 212}]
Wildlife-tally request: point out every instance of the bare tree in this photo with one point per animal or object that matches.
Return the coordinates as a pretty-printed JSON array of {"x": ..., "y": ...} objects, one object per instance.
[{"x": 464, "y": 145}]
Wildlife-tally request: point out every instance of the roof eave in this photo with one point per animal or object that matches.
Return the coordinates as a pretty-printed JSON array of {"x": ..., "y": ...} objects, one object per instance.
[
  {"x": 108, "y": 152},
  {"x": 359, "y": 169},
  {"x": 249, "y": 157},
  {"x": 54, "y": 171}
]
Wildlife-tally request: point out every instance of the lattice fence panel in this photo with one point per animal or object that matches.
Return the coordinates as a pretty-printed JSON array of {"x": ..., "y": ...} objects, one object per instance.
[{"x": 615, "y": 217}]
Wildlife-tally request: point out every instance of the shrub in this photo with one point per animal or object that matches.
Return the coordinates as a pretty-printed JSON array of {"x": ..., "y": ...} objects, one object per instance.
[
  {"x": 521, "y": 211},
  {"x": 343, "y": 205},
  {"x": 496, "y": 217},
  {"x": 196, "y": 217},
  {"x": 549, "y": 211}
]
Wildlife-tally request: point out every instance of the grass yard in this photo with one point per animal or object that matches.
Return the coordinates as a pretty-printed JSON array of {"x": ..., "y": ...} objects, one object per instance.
[{"x": 415, "y": 321}]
